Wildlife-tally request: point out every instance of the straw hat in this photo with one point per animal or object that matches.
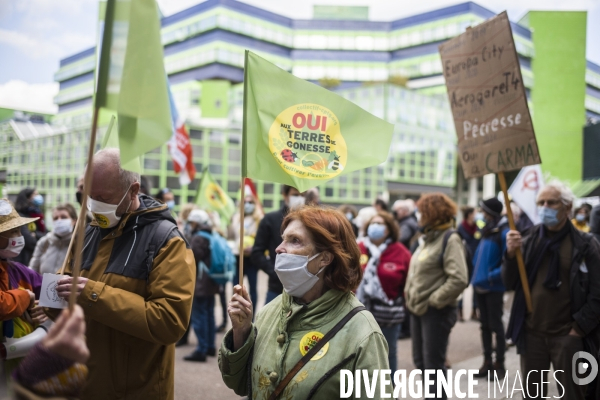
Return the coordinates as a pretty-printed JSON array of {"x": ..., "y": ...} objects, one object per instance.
[{"x": 10, "y": 218}]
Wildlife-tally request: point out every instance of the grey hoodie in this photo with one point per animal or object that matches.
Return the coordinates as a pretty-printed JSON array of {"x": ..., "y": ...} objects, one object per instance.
[{"x": 50, "y": 253}]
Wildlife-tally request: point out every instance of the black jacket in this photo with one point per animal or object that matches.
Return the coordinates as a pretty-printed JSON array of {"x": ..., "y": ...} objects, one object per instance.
[
  {"x": 471, "y": 240},
  {"x": 408, "y": 227},
  {"x": 595, "y": 222},
  {"x": 268, "y": 237},
  {"x": 585, "y": 282}
]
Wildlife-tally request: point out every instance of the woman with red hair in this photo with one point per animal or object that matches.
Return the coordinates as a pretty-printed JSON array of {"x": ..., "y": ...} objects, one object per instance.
[
  {"x": 436, "y": 277},
  {"x": 318, "y": 265}
]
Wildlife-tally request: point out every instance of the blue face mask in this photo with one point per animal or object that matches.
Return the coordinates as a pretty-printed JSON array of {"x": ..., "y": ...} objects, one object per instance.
[
  {"x": 376, "y": 231},
  {"x": 249, "y": 208},
  {"x": 38, "y": 200},
  {"x": 171, "y": 204},
  {"x": 580, "y": 217},
  {"x": 548, "y": 216}
]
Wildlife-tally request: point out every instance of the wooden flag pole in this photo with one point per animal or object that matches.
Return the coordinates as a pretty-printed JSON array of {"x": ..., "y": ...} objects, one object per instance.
[
  {"x": 511, "y": 224},
  {"x": 104, "y": 141},
  {"x": 79, "y": 228},
  {"x": 241, "y": 205},
  {"x": 62, "y": 269}
]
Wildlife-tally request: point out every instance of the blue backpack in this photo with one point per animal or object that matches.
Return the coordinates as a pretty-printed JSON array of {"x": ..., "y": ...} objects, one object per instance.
[{"x": 222, "y": 261}]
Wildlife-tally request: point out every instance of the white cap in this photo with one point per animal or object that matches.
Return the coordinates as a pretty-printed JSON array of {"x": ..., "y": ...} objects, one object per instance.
[{"x": 200, "y": 217}]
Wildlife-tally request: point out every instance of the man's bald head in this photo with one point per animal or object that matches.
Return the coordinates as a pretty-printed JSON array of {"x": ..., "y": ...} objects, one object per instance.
[
  {"x": 111, "y": 183},
  {"x": 107, "y": 163}
]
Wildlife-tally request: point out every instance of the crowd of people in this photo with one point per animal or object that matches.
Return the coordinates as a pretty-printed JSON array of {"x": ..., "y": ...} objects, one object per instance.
[{"x": 344, "y": 282}]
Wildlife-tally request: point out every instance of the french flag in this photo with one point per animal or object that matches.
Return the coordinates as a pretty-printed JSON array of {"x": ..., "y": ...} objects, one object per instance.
[{"x": 180, "y": 147}]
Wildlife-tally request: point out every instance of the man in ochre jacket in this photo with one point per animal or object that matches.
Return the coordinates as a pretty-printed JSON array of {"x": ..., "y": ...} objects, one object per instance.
[{"x": 136, "y": 287}]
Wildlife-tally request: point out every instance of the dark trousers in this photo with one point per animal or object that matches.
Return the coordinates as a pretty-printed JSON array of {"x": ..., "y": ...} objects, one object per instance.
[
  {"x": 223, "y": 301},
  {"x": 391, "y": 336},
  {"x": 540, "y": 352},
  {"x": 430, "y": 333},
  {"x": 491, "y": 308},
  {"x": 251, "y": 272},
  {"x": 203, "y": 322}
]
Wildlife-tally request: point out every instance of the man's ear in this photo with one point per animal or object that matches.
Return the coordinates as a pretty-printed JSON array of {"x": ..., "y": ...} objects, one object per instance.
[{"x": 135, "y": 188}]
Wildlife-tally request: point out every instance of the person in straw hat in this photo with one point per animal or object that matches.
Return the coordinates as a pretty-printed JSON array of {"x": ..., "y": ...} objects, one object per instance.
[{"x": 19, "y": 285}]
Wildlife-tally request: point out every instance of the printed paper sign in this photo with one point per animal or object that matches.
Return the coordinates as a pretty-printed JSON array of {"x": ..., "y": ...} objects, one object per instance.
[
  {"x": 488, "y": 99},
  {"x": 48, "y": 295}
]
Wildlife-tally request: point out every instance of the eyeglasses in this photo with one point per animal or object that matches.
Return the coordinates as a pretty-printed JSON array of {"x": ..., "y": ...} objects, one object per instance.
[{"x": 550, "y": 203}]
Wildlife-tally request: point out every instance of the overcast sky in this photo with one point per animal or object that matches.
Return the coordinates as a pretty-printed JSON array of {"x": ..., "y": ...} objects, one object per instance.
[{"x": 36, "y": 34}]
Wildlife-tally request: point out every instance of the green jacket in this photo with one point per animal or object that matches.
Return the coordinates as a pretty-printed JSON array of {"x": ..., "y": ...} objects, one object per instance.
[
  {"x": 431, "y": 284},
  {"x": 358, "y": 345}
]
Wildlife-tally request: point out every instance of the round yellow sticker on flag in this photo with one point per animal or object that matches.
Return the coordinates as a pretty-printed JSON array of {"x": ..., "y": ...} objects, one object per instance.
[
  {"x": 307, "y": 142},
  {"x": 309, "y": 341},
  {"x": 215, "y": 196}
]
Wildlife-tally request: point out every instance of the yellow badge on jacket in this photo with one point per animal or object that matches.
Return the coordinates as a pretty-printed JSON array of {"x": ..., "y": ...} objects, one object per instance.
[
  {"x": 308, "y": 341},
  {"x": 364, "y": 259}
]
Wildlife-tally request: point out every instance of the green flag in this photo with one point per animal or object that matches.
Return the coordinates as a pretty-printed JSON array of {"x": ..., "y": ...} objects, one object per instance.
[
  {"x": 212, "y": 197},
  {"x": 131, "y": 79},
  {"x": 112, "y": 140},
  {"x": 301, "y": 134}
]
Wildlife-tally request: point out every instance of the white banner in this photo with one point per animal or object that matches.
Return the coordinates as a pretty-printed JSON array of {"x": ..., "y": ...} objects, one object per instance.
[{"x": 525, "y": 189}]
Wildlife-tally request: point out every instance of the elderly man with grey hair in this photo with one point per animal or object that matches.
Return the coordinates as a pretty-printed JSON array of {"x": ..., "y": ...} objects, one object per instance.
[
  {"x": 136, "y": 287},
  {"x": 406, "y": 220},
  {"x": 563, "y": 270}
]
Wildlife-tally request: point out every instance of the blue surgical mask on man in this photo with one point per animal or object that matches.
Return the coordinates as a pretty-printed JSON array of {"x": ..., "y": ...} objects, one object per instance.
[
  {"x": 171, "y": 204},
  {"x": 548, "y": 216}
]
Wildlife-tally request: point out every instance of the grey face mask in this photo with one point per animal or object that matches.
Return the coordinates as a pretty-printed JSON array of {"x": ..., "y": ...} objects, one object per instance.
[{"x": 292, "y": 270}]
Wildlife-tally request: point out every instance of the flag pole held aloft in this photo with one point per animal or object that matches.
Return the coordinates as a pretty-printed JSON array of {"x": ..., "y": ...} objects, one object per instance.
[{"x": 131, "y": 82}]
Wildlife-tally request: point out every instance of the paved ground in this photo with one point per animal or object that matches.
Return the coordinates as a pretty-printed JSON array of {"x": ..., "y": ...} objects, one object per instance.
[{"x": 203, "y": 380}]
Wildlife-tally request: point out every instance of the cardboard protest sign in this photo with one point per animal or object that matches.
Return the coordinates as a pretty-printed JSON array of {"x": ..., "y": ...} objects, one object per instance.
[{"x": 488, "y": 99}]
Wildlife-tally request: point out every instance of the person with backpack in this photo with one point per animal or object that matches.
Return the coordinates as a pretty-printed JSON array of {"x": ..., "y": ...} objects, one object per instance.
[
  {"x": 203, "y": 309},
  {"x": 385, "y": 263},
  {"x": 437, "y": 275},
  {"x": 488, "y": 286},
  {"x": 136, "y": 286}
]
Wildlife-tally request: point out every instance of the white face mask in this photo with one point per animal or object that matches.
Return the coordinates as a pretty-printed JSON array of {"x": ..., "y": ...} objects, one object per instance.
[
  {"x": 296, "y": 202},
  {"x": 106, "y": 214},
  {"x": 292, "y": 270},
  {"x": 14, "y": 248},
  {"x": 63, "y": 227}
]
